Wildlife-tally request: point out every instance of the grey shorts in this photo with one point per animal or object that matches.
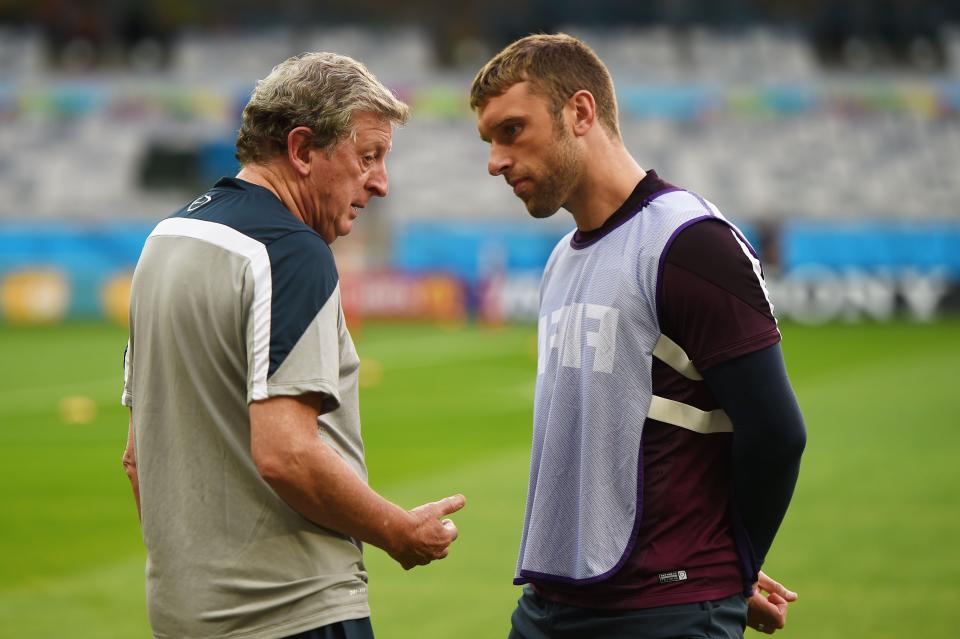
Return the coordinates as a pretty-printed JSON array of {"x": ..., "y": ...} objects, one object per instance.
[{"x": 539, "y": 618}]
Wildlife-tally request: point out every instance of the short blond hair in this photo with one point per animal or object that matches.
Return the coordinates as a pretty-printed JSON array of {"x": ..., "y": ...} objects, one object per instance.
[
  {"x": 556, "y": 66},
  {"x": 321, "y": 91}
]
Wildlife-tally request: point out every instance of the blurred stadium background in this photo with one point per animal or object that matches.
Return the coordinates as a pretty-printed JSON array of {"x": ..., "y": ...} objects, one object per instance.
[{"x": 830, "y": 131}]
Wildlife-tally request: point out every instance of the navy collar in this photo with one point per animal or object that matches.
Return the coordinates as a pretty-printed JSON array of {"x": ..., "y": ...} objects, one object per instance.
[{"x": 647, "y": 190}]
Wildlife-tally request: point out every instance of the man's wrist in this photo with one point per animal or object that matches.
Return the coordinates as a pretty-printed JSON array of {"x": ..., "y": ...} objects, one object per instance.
[{"x": 395, "y": 530}]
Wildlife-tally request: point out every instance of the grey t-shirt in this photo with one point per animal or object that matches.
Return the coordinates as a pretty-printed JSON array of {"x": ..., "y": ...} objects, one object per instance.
[{"x": 234, "y": 300}]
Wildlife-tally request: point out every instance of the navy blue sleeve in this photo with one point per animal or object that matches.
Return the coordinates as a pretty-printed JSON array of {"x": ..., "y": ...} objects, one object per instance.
[
  {"x": 768, "y": 439},
  {"x": 304, "y": 277}
]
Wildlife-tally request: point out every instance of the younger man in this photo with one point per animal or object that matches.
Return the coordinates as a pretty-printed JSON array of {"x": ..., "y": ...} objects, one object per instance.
[{"x": 667, "y": 439}]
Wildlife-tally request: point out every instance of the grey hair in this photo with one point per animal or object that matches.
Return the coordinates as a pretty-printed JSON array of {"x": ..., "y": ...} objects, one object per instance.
[{"x": 321, "y": 91}]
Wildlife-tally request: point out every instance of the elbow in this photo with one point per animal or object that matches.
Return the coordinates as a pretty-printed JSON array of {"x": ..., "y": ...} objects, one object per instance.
[
  {"x": 787, "y": 450},
  {"x": 801, "y": 441},
  {"x": 797, "y": 441},
  {"x": 270, "y": 467},
  {"x": 788, "y": 447},
  {"x": 277, "y": 467},
  {"x": 780, "y": 444},
  {"x": 129, "y": 462}
]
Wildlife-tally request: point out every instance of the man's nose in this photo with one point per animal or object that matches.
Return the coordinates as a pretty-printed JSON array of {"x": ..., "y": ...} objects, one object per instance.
[
  {"x": 378, "y": 183},
  {"x": 498, "y": 163}
]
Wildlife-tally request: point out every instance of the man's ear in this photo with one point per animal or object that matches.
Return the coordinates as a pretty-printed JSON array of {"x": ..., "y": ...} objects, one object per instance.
[
  {"x": 584, "y": 109},
  {"x": 299, "y": 148}
]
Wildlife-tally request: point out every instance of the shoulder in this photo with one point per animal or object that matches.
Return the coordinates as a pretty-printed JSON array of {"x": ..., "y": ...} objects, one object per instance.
[
  {"x": 302, "y": 264},
  {"x": 712, "y": 298},
  {"x": 715, "y": 251},
  {"x": 704, "y": 241},
  {"x": 303, "y": 246}
]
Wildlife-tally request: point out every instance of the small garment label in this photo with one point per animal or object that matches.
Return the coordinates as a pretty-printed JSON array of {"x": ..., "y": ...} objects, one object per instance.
[
  {"x": 357, "y": 591},
  {"x": 670, "y": 577}
]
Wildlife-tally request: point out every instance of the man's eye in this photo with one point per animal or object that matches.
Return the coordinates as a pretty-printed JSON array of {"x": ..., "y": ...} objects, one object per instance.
[{"x": 511, "y": 130}]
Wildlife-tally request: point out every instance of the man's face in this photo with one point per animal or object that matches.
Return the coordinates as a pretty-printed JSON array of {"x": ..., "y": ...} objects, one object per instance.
[
  {"x": 354, "y": 172},
  {"x": 537, "y": 156}
]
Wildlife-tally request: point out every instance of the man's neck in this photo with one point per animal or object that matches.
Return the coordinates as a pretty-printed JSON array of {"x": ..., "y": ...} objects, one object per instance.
[
  {"x": 610, "y": 176},
  {"x": 270, "y": 177}
]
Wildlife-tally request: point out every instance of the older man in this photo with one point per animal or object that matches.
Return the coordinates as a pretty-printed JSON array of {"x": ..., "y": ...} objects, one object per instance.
[
  {"x": 244, "y": 449},
  {"x": 666, "y": 439}
]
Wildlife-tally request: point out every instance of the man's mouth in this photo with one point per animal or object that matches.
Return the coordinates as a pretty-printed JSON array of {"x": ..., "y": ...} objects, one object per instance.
[{"x": 517, "y": 184}]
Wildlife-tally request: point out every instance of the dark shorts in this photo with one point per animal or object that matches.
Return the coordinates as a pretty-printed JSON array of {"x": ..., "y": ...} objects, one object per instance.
[
  {"x": 352, "y": 629},
  {"x": 539, "y": 618}
]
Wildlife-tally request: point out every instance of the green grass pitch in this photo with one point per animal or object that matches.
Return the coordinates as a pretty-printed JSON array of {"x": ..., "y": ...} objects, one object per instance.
[{"x": 870, "y": 542}]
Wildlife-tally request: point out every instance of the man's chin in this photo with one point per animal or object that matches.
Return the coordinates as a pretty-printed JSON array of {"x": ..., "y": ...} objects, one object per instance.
[
  {"x": 343, "y": 228},
  {"x": 540, "y": 212}
]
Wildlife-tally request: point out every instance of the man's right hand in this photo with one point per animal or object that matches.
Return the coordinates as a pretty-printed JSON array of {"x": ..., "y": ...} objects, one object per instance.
[
  {"x": 314, "y": 480},
  {"x": 429, "y": 534}
]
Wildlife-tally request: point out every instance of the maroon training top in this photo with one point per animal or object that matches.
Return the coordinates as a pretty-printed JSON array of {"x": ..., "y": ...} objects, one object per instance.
[{"x": 711, "y": 303}]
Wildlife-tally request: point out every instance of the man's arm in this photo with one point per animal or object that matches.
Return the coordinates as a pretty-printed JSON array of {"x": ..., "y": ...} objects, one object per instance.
[
  {"x": 316, "y": 482},
  {"x": 130, "y": 465},
  {"x": 768, "y": 440},
  {"x": 713, "y": 303}
]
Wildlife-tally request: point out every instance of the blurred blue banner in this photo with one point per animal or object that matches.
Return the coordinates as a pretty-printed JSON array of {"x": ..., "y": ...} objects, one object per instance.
[
  {"x": 893, "y": 246},
  {"x": 54, "y": 270},
  {"x": 822, "y": 271}
]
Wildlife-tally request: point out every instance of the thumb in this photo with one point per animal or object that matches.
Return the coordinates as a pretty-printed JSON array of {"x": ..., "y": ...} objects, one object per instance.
[
  {"x": 447, "y": 505},
  {"x": 778, "y": 601}
]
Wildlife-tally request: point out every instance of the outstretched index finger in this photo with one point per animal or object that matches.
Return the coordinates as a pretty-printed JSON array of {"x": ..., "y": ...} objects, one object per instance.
[{"x": 775, "y": 587}]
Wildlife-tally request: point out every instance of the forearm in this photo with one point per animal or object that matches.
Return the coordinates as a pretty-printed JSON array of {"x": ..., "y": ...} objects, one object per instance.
[
  {"x": 135, "y": 484},
  {"x": 763, "y": 486},
  {"x": 768, "y": 440},
  {"x": 130, "y": 466},
  {"x": 318, "y": 483}
]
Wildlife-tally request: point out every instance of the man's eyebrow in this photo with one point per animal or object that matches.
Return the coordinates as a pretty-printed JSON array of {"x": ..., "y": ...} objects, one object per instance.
[
  {"x": 378, "y": 146},
  {"x": 508, "y": 119}
]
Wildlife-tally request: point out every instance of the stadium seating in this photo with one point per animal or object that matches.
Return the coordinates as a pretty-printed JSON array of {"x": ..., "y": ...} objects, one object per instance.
[{"x": 749, "y": 119}]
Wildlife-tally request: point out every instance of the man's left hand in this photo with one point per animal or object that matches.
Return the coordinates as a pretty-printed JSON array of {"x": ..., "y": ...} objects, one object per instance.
[{"x": 767, "y": 608}]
